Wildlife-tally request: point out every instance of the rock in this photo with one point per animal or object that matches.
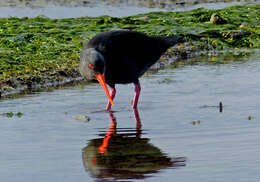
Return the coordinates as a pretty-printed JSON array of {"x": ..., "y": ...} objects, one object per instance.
[
  {"x": 239, "y": 34},
  {"x": 143, "y": 18},
  {"x": 244, "y": 24},
  {"x": 216, "y": 19},
  {"x": 7, "y": 88}
]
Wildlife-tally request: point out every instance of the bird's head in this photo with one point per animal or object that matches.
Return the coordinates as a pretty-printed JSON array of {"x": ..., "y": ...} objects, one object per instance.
[
  {"x": 92, "y": 66},
  {"x": 92, "y": 62}
]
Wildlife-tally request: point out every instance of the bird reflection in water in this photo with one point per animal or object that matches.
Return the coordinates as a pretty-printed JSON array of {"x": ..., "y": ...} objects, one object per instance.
[{"x": 123, "y": 154}]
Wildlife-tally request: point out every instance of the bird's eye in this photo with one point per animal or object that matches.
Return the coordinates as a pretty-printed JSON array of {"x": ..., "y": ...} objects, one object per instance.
[{"x": 90, "y": 66}]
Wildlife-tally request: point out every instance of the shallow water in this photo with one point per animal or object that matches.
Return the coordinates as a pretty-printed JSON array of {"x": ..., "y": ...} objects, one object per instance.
[
  {"x": 60, "y": 9},
  {"x": 53, "y": 11},
  {"x": 183, "y": 135}
]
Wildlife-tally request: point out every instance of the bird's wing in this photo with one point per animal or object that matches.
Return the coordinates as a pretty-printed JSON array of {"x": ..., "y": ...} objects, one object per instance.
[{"x": 132, "y": 50}]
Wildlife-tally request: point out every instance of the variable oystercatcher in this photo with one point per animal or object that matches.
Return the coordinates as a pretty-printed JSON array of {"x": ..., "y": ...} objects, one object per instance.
[{"x": 121, "y": 57}]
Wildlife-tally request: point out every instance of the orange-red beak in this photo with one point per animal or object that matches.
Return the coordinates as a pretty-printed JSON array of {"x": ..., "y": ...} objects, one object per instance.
[{"x": 101, "y": 79}]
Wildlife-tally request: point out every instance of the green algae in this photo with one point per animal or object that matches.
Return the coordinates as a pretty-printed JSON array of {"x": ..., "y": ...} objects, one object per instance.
[
  {"x": 11, "y": 114},
  {"x": 216, "y": 59},
  {"x": 33, "y": 49}
]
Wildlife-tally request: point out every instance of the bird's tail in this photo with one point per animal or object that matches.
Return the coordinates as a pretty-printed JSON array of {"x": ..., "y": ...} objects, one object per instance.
[{"x": 172, "y": 40}]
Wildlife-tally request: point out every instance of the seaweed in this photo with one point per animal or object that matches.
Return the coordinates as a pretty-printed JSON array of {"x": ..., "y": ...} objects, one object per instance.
[{"x": 33, "y": 49}]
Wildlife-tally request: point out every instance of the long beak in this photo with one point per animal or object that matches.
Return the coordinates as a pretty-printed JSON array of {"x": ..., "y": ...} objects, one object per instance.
[{"x": 101, "y": 79}]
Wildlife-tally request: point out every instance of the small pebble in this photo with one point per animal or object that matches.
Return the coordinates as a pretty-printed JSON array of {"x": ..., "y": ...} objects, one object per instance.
[
  {"x": 216, "y": 19},
  {"x": 82, "y": 118},
  {"x": 195, "y": 122},
  {"x": 143, "y": 18},
  {"x": 244, "y": 24}
]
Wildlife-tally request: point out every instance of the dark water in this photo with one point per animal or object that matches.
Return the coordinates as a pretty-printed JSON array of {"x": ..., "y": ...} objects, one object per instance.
[{"x": 183, "y": 136}]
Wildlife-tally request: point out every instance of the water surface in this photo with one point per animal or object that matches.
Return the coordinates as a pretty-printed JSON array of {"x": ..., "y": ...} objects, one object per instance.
[
  {"x": 60, "y": 9},
  {"x": 185, "y": 136}
]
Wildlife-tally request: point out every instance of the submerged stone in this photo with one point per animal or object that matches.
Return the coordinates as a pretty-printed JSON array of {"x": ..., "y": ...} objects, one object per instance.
[{"x": 82, "y": 118}]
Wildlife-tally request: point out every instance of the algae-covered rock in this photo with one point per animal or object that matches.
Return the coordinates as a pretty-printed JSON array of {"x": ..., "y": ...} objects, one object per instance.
[
  {"x": 216, "y": 19},
  {"x": 239, "y": 34},
  {"x": 243, "y": 25}
]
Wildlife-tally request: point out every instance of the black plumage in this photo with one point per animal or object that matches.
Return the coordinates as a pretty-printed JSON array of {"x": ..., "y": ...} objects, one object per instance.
[{"x": 122, "y": 55}]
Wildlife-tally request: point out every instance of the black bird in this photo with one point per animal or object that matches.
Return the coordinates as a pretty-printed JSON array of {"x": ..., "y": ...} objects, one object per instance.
[{"x": 121, "y": 57}]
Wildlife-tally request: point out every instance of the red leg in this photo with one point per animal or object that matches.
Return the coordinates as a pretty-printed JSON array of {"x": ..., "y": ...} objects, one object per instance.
[
  {"x": 137, "y": 93},
  {"x": 137, "y": 119},
  {"x": 112, "y": 94},
  {"x": 102, "y": 149}
]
